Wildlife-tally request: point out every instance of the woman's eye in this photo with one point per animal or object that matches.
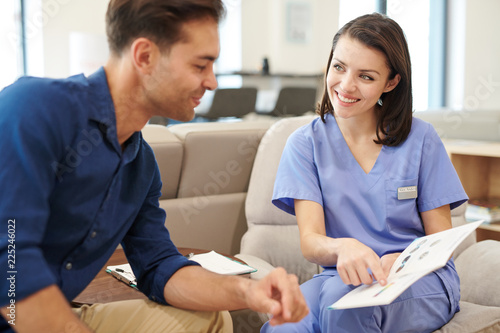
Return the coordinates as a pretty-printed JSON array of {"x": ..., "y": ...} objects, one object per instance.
[
  {"x": 366, "y": 77},
  {"x": 337, "y": 67}
]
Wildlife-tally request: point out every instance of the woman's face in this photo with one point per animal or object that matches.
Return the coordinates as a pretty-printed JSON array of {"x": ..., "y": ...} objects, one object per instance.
[{"x": 357, "y": 77}]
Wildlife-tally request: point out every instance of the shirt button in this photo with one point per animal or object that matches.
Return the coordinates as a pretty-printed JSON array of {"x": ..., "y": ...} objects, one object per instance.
[
  {"x": 93, "y": 234},
  {"x": 69, "y": 266}
]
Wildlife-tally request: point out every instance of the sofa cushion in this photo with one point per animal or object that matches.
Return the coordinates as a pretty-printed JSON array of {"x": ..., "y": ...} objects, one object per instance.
[
  {"x": 479, "y": 269},
  {"x": 209, "y": 222},
  {"x": 262, "y": 267},
  {"x": 168, "y": 153},
  {"x": 279, "y": 245},
  {"x": 218, "y": 157},
  {"x": 473, "y": 318}
]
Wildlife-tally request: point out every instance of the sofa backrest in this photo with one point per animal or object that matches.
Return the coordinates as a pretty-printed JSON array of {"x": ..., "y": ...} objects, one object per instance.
[
  {"x": 168, "y": 151},
  {"x": 464, "y": 124},
  {"x": 272, "y": 234},
  {"x": 218, "y": 157}
]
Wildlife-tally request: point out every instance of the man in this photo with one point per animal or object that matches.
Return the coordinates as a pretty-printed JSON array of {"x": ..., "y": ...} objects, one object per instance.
[{"x": 77, "y": 179}]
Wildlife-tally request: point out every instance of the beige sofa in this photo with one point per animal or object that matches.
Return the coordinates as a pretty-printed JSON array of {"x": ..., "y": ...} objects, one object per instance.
[
  {"x": 218, "y": 180},
  {"x": 205, "y": 170}
]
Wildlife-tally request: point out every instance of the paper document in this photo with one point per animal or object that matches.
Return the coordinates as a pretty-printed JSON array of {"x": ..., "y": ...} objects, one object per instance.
[
  {"x": 220, "y": 264},
  {"x": 211, "y": 261},
  {"x": 422, "y": 256}
]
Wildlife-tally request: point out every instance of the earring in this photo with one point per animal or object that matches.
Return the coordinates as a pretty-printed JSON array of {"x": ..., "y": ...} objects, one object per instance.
[{"x": 379, "y": 102}]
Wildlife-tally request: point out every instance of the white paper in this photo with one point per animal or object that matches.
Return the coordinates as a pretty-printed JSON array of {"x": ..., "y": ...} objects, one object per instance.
[
  {"x": 220, "y": 264},
  {"x": 422, "y": 256}
]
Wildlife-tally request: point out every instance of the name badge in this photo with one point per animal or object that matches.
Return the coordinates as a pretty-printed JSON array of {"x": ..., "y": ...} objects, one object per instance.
[{"x": 409, "y": 192}]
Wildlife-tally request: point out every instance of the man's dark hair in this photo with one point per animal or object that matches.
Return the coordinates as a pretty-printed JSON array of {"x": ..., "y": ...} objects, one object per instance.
[{"x": 158, "y": 20}]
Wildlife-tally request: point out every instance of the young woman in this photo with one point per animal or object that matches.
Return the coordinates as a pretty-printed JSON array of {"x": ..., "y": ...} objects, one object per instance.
[{"x": 364, "y": 180}]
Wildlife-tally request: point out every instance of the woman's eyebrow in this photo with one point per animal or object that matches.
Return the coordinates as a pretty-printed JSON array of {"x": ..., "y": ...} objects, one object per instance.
[{"x": 361, "y": 70}]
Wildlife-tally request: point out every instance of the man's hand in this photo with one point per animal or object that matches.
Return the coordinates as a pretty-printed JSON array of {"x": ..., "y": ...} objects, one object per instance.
[{"x": 278, "y": 294}]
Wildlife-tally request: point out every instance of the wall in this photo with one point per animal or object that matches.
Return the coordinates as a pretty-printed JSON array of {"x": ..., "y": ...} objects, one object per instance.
[
  {"x": 62, "y": 17},
  {"x": 265, "y": 28},
  {"x": 474, "y": 53},
  {"x": 264, "y": 33}
]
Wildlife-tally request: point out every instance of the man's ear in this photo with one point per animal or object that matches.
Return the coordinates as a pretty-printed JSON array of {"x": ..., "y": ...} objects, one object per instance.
[
  {"x": 144, "y": 54},
  {"x": 392, "y": 83}
]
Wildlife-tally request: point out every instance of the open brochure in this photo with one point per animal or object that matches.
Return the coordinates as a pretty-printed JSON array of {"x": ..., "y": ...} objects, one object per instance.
[
  {"x": 211, "y": 261},
  {"x": 423, "y": 256}
]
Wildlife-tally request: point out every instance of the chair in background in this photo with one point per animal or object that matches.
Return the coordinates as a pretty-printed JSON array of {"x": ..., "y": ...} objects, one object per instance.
[
  {"x": 231, "y": 102},
  {"x": 294, "y": 101}
]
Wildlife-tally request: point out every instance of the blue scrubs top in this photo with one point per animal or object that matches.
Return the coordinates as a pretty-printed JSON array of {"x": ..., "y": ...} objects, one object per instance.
[{"x": 317, "y": 165}]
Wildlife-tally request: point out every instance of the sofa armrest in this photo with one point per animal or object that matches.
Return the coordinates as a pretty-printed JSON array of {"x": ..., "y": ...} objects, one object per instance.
[
  {"x": 479, "y": 269},
  {"x": 263, "y": 267},
  {"x": 473, "y": 318}
]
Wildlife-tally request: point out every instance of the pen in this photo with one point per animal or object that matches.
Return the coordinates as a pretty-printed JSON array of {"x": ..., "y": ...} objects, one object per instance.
[
  {"x": 189, "y": 256},
  {"x": 116, "y": 274}
]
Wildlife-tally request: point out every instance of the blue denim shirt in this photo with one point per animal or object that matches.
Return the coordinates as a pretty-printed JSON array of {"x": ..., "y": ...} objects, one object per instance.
[{"x": 72, "y": 194}]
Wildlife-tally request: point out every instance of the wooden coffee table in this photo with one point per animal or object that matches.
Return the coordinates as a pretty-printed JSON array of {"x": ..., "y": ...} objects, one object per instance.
[{"x": 104, "y": 288}]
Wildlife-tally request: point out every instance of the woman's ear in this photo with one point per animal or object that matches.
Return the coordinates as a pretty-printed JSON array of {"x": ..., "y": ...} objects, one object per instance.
[{"x": 392, "y": 83}]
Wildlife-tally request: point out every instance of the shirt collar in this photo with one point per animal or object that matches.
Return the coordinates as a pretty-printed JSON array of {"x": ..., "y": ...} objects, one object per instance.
[{"x": 102, "y": 111}]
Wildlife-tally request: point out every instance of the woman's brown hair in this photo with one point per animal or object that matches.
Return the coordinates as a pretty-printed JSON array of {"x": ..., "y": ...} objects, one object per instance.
[
  {"x": 158, "y": 20},
  {"x": 379, "y": 32}
]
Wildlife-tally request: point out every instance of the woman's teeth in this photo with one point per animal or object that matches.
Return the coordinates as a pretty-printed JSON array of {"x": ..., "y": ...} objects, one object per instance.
[{"x": 345, "y": 99}]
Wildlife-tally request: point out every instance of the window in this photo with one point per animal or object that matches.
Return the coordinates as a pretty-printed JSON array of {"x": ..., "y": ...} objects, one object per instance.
[
  {"x": 11, "y": 42},
  {"x": 413, "y": 17},
  {"x": 230, "y": 40}
]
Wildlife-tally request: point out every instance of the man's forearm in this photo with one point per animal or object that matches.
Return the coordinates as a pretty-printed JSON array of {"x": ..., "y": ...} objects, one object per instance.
[
  {"x": 195, "y": 288},
  {"x": 45, "y": 311}
]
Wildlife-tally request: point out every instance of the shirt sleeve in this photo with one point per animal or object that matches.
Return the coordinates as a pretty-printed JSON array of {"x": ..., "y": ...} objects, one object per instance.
[
  {"x": 439, "y": 183},
  {"x": 29, "y": 148},
  {"x": 148, "y": 247},
  {"x": 297, "y": 176}
]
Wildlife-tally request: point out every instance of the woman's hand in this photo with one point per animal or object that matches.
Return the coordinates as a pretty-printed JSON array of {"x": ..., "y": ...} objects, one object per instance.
[
  {"x": 356, "y": 260},
  {"x": 387, "y": 261}
]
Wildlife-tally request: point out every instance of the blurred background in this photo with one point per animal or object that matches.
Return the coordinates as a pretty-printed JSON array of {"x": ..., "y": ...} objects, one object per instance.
[{"x": 454, "y": 44}]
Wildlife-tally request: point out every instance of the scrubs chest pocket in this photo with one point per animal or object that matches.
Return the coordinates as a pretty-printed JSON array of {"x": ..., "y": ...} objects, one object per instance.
[{"x": 401, "y": 204}]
